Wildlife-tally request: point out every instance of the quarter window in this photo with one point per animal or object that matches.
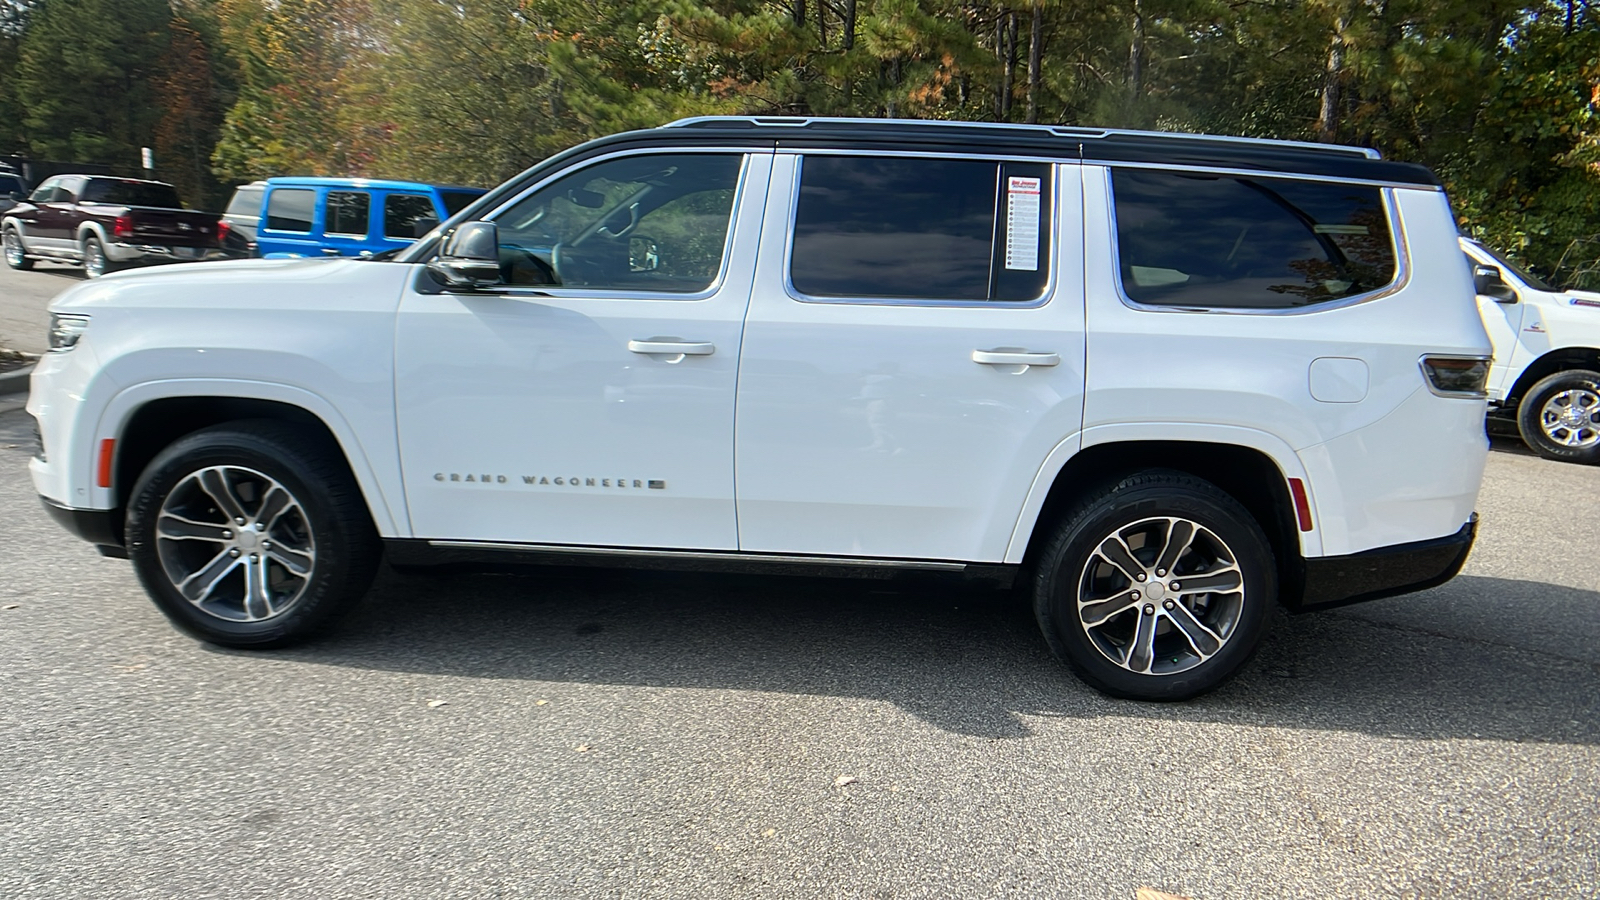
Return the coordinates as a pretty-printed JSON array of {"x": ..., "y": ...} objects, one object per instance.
[
  {"x": 1220, "y": 241},
  {"x": 933, "y": 229},
  {"x": 402, "y": 212},
  {"x": 348, "y": 213},
  {"x": 289, "y": 209},
  {"x": 639, "y": 223}
]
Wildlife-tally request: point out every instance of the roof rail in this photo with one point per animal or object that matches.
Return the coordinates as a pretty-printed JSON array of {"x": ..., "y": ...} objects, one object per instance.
[{"x": 1066, "y": 131}]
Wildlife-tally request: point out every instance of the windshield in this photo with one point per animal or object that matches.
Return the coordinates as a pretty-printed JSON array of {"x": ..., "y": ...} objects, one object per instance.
[
  {"x": 131, "y": 193},
  {"x": 1532, "y": 281}
]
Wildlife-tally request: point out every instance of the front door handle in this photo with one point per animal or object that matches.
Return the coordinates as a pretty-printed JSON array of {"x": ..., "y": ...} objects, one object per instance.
[
  {"x": 674, "y": 351},
  {"x": 1009, "y": 357}
]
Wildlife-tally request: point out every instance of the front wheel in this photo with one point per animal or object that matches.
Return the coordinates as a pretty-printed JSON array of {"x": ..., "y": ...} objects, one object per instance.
[
  {"x": 251, "y": 534},
  {"x": 1560, "y": 417},
  {"x": 16, "y": 254},
  {"x": 1158, "y": 587}
]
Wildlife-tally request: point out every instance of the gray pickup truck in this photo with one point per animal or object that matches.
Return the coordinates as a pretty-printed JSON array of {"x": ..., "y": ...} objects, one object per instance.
[{"x": 103, "y": 223}]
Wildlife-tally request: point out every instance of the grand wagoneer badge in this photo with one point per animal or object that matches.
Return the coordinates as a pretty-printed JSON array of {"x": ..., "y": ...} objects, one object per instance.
[{"x": 654, "y": 484}]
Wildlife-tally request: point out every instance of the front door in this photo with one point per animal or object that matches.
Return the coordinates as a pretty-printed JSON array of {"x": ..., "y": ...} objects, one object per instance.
[
  {"x": 590, "y": 401},
  {"x": 914, "y": 353}
]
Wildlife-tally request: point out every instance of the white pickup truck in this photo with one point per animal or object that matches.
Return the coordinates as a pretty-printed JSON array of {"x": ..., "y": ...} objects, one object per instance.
[{"x": 1546, "y": 372}]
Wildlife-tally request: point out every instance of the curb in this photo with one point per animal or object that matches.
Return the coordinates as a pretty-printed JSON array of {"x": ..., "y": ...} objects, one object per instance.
[{"x": 16, "y": 381}]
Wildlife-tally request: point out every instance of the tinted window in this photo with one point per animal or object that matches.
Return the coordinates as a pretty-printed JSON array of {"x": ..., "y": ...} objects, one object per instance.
[
  {"x": 1262, "y": 243},
  {"x": 131, "y": 193},
  {"x": 639, "y": 223},
  {"x": 348, "y": 213},
  {"x": 921, "y": 228},
  {"x": 401, "y": 212},
  {"x": 10, "y": 184},
  {"x": 456, "y": 201},
  {"x": 246, "y": 202},
  {"x": 289, "y": 209}
]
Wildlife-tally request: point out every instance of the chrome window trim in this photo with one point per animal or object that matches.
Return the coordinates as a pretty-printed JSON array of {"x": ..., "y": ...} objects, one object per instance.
[
  {"x": 1047, "y": 292},
  {"x": 565, "y": 293},
  {"x": 1260, "y": 173},
  {"x": 1397, "y": 241}
]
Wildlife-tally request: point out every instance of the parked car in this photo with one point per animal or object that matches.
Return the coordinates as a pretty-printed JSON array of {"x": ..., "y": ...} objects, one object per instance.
[
  {"x": 1546, "y": 375},
  {"x": 243, "y": 216},
  {"x": 351, "y": 216},
  {"x": 103, "y": 223},
  {"x": 1165, "y": 382},
  {"x": 12, "y": 190}
]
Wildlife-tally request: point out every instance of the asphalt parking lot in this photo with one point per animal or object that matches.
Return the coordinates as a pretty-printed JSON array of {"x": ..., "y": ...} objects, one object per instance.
[{"x": 588, "y": 734}]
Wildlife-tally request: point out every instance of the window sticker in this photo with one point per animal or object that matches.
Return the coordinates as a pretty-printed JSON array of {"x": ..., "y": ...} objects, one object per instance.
[{"x": 1022, "y": 223}]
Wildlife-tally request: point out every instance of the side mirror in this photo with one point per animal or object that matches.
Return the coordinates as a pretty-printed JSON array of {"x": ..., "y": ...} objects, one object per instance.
[
  {"x": 1489, "y": 282},
  {"x": 470, "y": 257},
  {"x": 424, "y": 225}
]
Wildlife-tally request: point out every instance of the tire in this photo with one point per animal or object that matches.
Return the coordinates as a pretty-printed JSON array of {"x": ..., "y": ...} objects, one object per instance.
[
  {"x": 1122, "y": 625},
  {"x": 314, "y": 555},
  {"x": 95, "y": 261},
  {"x": 15, "y": 253},
  {"x": 1559, "y": 418}
]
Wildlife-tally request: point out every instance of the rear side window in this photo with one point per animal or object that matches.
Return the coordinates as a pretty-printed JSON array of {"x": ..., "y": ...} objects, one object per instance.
[
  {"x": 289, "y": 209},
  {"x": 131, "y": 193},
  {"x": 402, "y": 212},
  {"x": 931, "y": 229},
  {"x": 348, "y": 213},
  {"x": 1221, "y": 241},
  {"x": 246, "y": 202}
]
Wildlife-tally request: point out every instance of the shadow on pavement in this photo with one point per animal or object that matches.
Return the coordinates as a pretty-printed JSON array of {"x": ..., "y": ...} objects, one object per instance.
[{"x": 1464, "y": 662}]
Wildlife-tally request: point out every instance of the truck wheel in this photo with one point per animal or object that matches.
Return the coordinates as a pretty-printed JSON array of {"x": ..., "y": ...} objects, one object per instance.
[
  {"x": 251, "y": 534},
  {"x": 95, "y": 261},
  {"x": 16, "y": 256},
  {"x": 1560, "y": 416},
  {"x": 1158, "y": 587}
]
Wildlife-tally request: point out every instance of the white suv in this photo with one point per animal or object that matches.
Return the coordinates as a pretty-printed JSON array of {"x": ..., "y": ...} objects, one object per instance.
[
  {"x": 1164, "y": 382},
  {"x": 1546, "y": 373}
]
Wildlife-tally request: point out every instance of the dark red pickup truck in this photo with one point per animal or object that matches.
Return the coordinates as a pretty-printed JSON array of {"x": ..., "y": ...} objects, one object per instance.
[{"x": 103, "y": 223}]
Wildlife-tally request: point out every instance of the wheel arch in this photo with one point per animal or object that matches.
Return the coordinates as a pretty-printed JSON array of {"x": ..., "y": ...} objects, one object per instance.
[
  {"x": 1255, "y": 477},
  {"x": 1551, "y": 363},
  {"x": 146, "y": 419}
]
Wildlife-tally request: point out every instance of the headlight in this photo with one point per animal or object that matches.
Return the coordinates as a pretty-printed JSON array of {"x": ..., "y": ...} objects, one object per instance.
[{"x": 65, "y": 330}]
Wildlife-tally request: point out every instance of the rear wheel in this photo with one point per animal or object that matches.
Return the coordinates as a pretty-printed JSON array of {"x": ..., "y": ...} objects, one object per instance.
[
  {"x": 251, "y": 534},
  {"x": 16, "y": 256},
  {"x": 1158, "y": 587},
  {"x": 1560, "y": 416},
  {"x": 95, "y": 261}
]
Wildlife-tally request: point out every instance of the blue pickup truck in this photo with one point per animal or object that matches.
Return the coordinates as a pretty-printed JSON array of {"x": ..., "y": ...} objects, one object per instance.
[{"x": 304, "y": 216}]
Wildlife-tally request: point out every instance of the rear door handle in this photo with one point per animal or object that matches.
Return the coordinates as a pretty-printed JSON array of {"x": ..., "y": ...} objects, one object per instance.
[
  {"x": 678, "y": 349},
  {"x": 1015, "y": 358}
]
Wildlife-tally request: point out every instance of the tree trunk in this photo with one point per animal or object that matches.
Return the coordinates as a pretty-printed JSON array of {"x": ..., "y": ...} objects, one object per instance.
[
  {"x": 1011, "y": 65},
  {"x": 1035, "y": 48},
  {"x": 1136, "y": 54},
  {"x": 1328, "y": 119},
  {"x": 1000, "y": 86},
  {"x": 849, "y": 24}
]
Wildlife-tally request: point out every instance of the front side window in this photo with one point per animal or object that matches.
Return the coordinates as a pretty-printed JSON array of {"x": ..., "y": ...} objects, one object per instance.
[
  {"x": 456, "y": 201},
  {"x": 246, "y": 202},
  {"x": 402, "y": 212},
  {"x": 46, "y": 192},
  {"x": 289, "y": 209},
  {"x": 639, "y": 223},
  {"x": 1225, "y": 241},
  {"x": 348, "y": 213},
  {"x": 915, "y": 228}
]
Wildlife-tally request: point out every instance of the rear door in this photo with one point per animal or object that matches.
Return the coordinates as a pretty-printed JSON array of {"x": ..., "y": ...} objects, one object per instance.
[{"x": 914, "y": 352}]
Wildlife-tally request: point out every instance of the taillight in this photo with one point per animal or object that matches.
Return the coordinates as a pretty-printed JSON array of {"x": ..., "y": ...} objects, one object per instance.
[
  {"x": 123, "y": 227},
  {"x": 223, "y": 230},
  {"x": 1457, "y": 376}
]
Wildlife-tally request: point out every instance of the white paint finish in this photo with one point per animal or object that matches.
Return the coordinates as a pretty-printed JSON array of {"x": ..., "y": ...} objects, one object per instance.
[
  {"x": 1538, "y": 323},
  {"x": 252, "y": 328},
  {"x": 869, "y": 430},
  {"x": 1339, "y": 379},
  {"x": 546, "y": 386},
  {"x": 1169, "y": 367}
]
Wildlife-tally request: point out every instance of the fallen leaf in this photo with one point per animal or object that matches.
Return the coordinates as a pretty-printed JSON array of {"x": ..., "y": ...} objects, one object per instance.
[
  {"x": 582, "y": 748},
  {"x": 435, "y": 704},
  {"x": 11, "y": 606},
  {"x": 769, "y": 832},
  {"x": 540, "y": 702},
  {"x": 843, "y": 780}
]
